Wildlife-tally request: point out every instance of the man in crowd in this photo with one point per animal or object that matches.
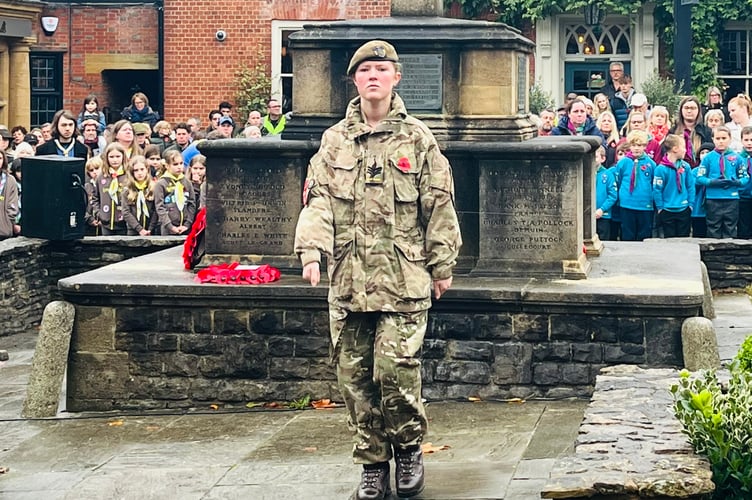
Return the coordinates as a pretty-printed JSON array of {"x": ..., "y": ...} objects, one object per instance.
[
  {"x": 615, "y": 72},
  {"x": 194, "y": 125},
  {"x": 95, "y": 142},
  {"x": 547, "y": 118},
  {"x": 182, "y": 137},
  {"x": 226, "y": 126},
  {"x": 274, "y": 121},
  {"x": 63, "y": 141}
]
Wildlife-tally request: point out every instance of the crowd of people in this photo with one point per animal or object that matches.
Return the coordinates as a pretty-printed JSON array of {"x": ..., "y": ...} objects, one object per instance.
[
  {"x": 660, "y": 175},
  {"x": 145, "y": 176}
]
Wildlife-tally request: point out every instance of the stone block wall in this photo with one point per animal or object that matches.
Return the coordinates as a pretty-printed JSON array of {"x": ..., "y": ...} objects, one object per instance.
[
  {"x": 729, "y": 262},
  {"x": 30, "y": 269},
  {"x": 142, "y": 357}
]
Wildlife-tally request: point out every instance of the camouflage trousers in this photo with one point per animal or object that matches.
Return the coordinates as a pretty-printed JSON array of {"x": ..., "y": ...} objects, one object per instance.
[{"x": 379, "y": 377}]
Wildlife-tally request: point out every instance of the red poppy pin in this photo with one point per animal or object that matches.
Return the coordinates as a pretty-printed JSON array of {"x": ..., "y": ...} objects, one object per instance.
[
  {"x": 681, "y": 170},
  {"x": 403, "y": 164},
  {"x": 643, "y": 167}
]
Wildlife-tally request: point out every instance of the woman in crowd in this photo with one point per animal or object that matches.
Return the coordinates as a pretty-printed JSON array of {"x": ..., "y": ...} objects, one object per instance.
[
  {"x": 601, "y": 105},
  {"x": 739, "y": 109},
  {"x": 690, "y": 126},
  {"x": 606, "y": 123},
  {"x": 576, "y": 121},
  {"x": 714, "y": 100},
  {"x": 122, "y": 133},
  {"x": 139, "y": 111}
]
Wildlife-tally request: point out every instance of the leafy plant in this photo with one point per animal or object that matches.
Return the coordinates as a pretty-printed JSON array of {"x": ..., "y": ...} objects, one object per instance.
[
  {"x": 539, "y": 99},
  {"x": 718, "y": 420},
  {"x": 744, "y": 356},
  {"x": 253, "y": 86},
  {"x": 300, "y": 404},
  {"x": 660, "y": 90}
]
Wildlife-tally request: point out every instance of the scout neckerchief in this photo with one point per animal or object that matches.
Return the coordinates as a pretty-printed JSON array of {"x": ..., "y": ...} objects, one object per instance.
[
  {"x": 112, "y": 190},
  {"x": 142, "y": 210},
  {"x": 633, "y": 175},
  {"x": 678, "y": 169},
  {"x": 177, "y": 187},
  {"x": 688, "y": 144},
  {"x": 3, "y": 178},
  {"x": 575, "y": 130},
  {"x": 65, "y": 151},
  {"x": 721, "y": 163}
]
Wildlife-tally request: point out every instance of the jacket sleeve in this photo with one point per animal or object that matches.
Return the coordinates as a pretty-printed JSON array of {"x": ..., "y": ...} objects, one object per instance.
[
  {"x": 611, "y": 191},
  {"x": 11, "y": 198},
  {"x": 189, "y": 210},
  {"x": 314, "y": 233},
  {"x": 658, "y": 186},
  {"x": 439, "y": 217},
  {"x": 690, "y": 185},
  {"x": 159, "y": 204}
]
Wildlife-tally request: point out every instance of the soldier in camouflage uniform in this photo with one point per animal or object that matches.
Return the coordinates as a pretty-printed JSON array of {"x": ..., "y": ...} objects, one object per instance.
[{"x": 379, "y": 202}]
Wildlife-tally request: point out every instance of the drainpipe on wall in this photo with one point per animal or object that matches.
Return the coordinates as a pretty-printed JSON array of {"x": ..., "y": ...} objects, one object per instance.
[{"x": 159, "y": 4}]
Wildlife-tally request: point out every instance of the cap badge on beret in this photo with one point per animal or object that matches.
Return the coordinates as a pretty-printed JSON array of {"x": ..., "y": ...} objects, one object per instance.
[{"x": 379, "y": 51}]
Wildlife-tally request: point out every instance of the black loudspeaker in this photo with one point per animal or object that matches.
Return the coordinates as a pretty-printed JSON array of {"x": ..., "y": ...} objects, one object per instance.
[{"x": 53, "y": 198}]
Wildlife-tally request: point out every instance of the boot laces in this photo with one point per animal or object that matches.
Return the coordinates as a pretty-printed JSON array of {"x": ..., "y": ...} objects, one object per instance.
[
  {"x": 371, "y": 477},
  {"x": 407, "y": 463}
]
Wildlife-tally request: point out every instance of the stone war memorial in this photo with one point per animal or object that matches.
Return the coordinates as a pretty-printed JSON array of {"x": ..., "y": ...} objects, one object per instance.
[{"x": 538, "y": 306}]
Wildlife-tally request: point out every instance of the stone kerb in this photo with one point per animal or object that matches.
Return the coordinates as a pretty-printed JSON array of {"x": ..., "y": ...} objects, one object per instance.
[{"x": 630, "y": 444}]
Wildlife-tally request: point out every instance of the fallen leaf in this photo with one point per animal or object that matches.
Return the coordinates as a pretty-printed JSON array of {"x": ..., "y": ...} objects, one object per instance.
[
  {"x": 474, "y": 399},
  {"x": 272, "y": 404},
  {"x": 323, "y": 403},
  {"x": 515, "y": 400},
  {"x": 3, "y": 470},
  {"x": 430, "y": 448},
  {"x": 214, "y": 407},
  {"x": 310, "y": 449},
  {"x": 253, "y": 404},
  {"x": 115, "y": 423},
  {"x": 152, "y": 428}
]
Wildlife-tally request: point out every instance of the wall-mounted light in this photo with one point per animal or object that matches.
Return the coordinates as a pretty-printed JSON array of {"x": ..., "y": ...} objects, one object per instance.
[{"x": 49, "y": 24}]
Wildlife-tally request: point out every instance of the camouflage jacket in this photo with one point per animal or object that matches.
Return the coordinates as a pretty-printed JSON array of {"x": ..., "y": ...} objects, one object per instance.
[{"x": 379, "y": 202}]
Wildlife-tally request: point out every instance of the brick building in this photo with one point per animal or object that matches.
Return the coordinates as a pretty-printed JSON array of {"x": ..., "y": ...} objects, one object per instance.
[{"x": 167, "y": 49}]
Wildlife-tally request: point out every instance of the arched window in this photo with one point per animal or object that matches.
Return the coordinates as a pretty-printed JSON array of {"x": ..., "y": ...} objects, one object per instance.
[{"x": 595, "y": 41}]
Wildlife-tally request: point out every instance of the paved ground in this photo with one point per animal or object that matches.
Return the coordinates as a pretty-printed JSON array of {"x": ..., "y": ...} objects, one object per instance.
[{"x": 496, "y": 450}]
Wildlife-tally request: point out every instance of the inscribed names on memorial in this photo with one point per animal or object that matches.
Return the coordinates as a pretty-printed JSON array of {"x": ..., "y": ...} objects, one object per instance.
[
  {"x": 254, "y": 211},
  {"x": 528, "y": 213},
  {"x": 421, "y": 84}
]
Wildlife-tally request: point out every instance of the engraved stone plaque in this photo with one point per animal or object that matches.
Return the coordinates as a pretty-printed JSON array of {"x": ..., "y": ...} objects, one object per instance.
[
  {"x": 421, "y": 85},
  {"x": 252, "y": 208},
  {"x": 530, "y": 218},
  {"x": 522, "y": 87}
]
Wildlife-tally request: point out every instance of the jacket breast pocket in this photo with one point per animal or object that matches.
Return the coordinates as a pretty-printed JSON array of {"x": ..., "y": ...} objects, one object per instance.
[
  {"x": 406, "y": 192},
  {"x": 342, "y": 190},
  {"x": 414, "y": 280}
]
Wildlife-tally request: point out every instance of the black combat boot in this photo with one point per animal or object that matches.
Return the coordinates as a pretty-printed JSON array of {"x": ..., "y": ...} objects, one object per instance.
[
  {"x": 374, "y": 483},
  {"x": 410, "y": 481}
]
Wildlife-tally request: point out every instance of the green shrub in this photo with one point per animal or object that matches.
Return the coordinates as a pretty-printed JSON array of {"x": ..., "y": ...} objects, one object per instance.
[
  {"x": 661, "y": 91},
  {"x": 254, "y": 88},
  {"x": 539, "y": 99},
  {"x": 718, "y": 420},
  {"x": 744, "y": 356}
]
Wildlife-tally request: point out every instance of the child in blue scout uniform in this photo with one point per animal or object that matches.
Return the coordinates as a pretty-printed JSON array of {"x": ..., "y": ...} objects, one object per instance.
[
  {"x": 744, "y": 227},
  {"x": 605, "y": 195},
  {"x": 674, "y": 190},
  {"x": 635, "y": 177},
  {"x": 722, "y": 173},
  {"x": 699, "y": 226}
]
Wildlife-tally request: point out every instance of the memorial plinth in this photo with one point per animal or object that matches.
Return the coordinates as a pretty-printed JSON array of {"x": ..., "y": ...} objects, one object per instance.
[{"x": 467, "y": 80}]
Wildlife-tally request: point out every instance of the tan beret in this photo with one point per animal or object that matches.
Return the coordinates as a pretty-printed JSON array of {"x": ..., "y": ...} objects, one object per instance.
[{"x": 375, "y": 50}]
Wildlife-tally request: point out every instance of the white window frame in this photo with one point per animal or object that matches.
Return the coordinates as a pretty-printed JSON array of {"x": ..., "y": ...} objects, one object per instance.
[{"x": 278, "y": 27}]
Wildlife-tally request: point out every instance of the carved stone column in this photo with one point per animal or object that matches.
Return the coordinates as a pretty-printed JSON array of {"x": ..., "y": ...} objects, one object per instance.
[
  {"x": 19, "y": 112},
  {"x": 4, "y": 83}
]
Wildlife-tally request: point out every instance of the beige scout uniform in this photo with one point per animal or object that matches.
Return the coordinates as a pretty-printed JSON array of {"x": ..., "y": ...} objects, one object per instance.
[{"x": 380, "y": 203}]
